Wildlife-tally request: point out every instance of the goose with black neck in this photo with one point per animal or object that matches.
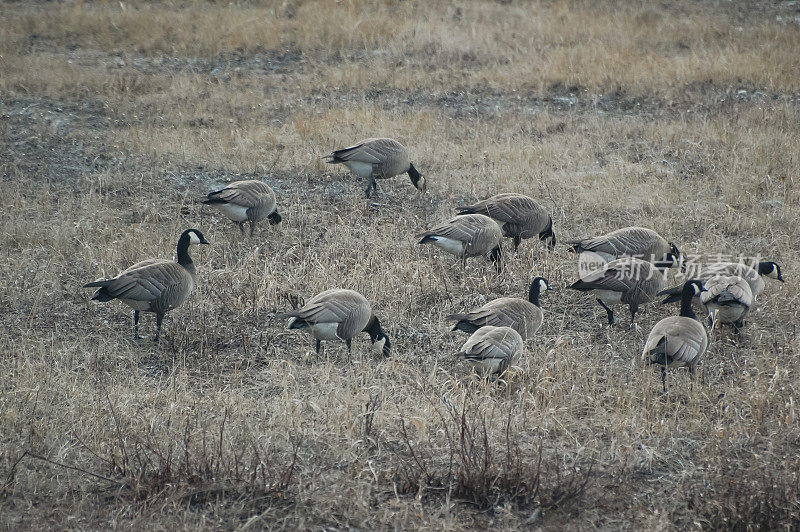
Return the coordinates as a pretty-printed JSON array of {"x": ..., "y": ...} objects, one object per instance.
[{"x": 154, "y": 285}]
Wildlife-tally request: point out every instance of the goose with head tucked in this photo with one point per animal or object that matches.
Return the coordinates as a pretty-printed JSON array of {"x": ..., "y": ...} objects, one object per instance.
[{"x": 154, "y": 285}]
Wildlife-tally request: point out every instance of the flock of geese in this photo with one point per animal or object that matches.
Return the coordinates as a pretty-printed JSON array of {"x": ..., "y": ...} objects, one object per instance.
[{"x": 630, "y": 268}]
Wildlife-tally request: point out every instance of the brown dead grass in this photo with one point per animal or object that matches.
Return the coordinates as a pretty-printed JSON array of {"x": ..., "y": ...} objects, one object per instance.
[{"x": 113, "y": 126}]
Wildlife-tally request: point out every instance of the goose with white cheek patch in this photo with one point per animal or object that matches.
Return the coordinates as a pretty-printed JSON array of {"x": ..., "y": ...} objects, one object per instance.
[
  {"x": 523, "y": 316},
  {"x": 339, "y": 314},
  {"x": 469, "y": 235},
  {"x": 680, "y": 340},
  {"x": 154, "y": 285},
  {"x": 727, "y": 299},
  {"x": 492, "y": 350},
  {"x": 519, "y": 217},
  {"x": 378, "y": 158},
  {"x": 627, "y": 280},
  {"x": 246, "y": 201},
  {"x": 638, "y": 242},
  {"x": 753, "y": 276}
]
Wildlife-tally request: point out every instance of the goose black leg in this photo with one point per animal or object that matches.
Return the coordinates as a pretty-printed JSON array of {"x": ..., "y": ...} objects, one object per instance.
[
  {"x": 349, "y": 341},
  {"x": 159, "y": 319},
  {"x": 318, "y": 345},
  {"x": 517, "y": 240},
  {"x": 608, "y": 311},
  {"x": 633, "y": 314},
  {"x": 371, "y": 185},
  {"x": 136, "y": 324},
  {"x": 241, "y": 227},
  {"x": 252, "y": 227},
  {"x": 664, "y": 377}
]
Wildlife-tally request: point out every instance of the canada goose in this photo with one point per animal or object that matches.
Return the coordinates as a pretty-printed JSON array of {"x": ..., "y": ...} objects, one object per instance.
[
  {"x": 373, "y": 159},
  {"x": 154, "y": 285},
  {"x": 727, "y": 299},
  {"x": 339, "y": 314},
  {"x": 519, "y": 217},
  {"x": 637, "y": 242},
  {"x": 467, "y": 236},
  {"x": 626, "y": 280},
  {"x": 251, "y": 200},
  {"x": 492, "y": 350},
  {"x": 740, "y": 269},
  {"x": 525, "y": 317},
  {"x": 678, "y": 340}
]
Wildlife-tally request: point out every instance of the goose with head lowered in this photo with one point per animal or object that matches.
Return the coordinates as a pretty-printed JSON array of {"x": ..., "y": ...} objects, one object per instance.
[
  {"x": 680, "y": 340},
  {"x": 339, "y": 314},
  {"x": 469, "y": 235},
  {"x": 519, "y": 217},
  {"x": 154, "y": 285},
  {"x": 492, "y": 350},
  {"x": 523, "y": 316},
  {"x": 727, "y": 299},
  {"x": 626, "y": 280},
  {"x": 378, "y": 158},
  {"x": 246, "y": 201},
  {"x": 638, "y": 242}
]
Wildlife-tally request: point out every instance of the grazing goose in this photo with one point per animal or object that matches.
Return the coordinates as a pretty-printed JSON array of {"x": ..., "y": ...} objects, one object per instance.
[
  {"x": 492, "y": 350},
  {"x": 678, "y": 340},
  {"x": 339, "y": 314},
  {"x": 637, "y": 242},
  {"x": 519, "y": 217},
  {"x": 626, "y": 280},
  {"x": 525, "y": 317},
  {"x": 740, "y": 269},
  {"x": 251, "y": 200},
  {"x": 467, "y": 236},
  {"x": 154, "y": 285},
  {"x": 373, "y": 159},
  {"x": 727, "y": 299}
]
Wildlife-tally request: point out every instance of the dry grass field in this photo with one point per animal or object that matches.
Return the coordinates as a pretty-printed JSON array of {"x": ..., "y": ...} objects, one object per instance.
[{"x": 116, "y": 118}]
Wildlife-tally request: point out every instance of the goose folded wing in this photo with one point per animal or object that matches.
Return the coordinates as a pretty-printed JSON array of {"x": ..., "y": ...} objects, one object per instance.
[
  {"x": 453, "y": 231},
  {"x": 247, "y": 194},
  {"x": 514, "y": 209},
  {"x": 613, "y": 279},
  {"x": 683, "y": 348},
  {"x": 147, "y": 282},
  {"x": 741, "y": 291},
  {"x": 327, "y": 311},
  {"x": 366, "y": 152}
]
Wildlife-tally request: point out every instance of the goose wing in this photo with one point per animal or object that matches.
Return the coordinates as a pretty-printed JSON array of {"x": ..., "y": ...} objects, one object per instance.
[
  {"x": 250, "y": 193},
  {"x": 147, "y": 280}
]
